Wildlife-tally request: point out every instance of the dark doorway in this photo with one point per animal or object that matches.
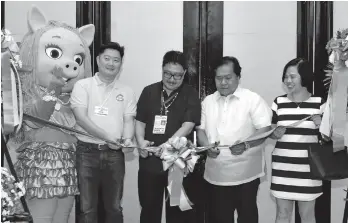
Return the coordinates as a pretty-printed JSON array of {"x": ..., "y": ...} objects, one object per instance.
[
  {"x": 314, "y": 30},
  {"x": 203, "y": 45},
  {"x": 99, "y": 14},
  {"x": 203, "y": 42}
]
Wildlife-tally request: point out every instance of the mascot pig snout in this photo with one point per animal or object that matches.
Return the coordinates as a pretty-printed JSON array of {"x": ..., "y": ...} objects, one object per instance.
[{"x": 71, "y": 69}]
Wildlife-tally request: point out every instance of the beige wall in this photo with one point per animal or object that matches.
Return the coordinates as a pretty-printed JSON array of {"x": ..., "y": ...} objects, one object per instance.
[
  {"x": 262, "y": 35},
  {"x": 147, "y": 30},
  {"x": 340, "y": 21},
  {"x": 16, "y": 14}
]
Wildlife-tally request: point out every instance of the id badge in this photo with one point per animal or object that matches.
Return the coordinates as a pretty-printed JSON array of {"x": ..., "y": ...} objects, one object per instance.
[
  {"x": 159, "y": 126},
  {"x": 101, "y": 111}
]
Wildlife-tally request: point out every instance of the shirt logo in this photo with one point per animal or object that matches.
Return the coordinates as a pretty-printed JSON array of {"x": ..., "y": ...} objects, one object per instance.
[{"x": 119, "y": 97}]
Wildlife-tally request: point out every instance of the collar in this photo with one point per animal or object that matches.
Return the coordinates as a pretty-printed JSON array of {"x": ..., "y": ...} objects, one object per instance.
[
  {"x": 114, "y": 83},
  {"x": 236, "y": 94},
  {"x": 173, "y": 92}
]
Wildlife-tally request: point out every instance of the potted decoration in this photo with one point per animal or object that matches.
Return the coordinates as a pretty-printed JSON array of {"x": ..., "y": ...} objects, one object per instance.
[{"x": 11, "y": 193}]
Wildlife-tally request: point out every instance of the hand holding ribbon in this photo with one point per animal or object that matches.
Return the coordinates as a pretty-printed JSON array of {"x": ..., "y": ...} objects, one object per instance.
[
  {"x": 239, "y": 147},
  {"x": 114, "y": 143}
]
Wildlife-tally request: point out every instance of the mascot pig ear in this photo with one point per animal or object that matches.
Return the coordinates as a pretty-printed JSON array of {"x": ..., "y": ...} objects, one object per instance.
[
  {"x": 36, "y": 19},
  {"x": 87, "y": 33}
]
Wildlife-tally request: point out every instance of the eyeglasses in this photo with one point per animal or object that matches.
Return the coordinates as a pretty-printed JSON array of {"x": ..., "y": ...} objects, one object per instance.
[{"x": 176, "y": 76}]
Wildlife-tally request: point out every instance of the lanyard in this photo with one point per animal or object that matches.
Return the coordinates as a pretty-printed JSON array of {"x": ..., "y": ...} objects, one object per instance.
[
  {"x": 100, "y": 97},
  {"x": 163, "y": 103}
]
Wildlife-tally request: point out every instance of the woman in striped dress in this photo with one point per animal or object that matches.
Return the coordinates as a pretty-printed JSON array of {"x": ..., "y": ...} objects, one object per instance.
[{"x": 291, "y": 177}]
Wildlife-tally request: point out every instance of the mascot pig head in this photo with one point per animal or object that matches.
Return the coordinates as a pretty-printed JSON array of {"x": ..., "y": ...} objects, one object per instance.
[{"x": 52, "y": 45}]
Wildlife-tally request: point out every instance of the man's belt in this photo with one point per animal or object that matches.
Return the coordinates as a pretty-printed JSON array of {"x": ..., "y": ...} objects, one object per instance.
[{"x": 100, "y": 147}]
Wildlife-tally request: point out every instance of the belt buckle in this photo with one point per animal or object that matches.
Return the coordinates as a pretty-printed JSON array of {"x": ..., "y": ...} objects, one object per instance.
[{"x": 100, "y": 146}]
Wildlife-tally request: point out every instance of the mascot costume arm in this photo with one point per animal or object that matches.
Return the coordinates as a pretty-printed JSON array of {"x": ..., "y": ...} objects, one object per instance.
[{"x": 44, "y": 107}]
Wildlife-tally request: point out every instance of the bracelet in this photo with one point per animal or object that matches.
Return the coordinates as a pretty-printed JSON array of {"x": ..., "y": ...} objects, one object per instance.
[{"x": 49, "y": 98}]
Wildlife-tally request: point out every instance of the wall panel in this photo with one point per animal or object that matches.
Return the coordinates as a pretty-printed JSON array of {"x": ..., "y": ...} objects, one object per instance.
[{"x": 262, "y": 35}]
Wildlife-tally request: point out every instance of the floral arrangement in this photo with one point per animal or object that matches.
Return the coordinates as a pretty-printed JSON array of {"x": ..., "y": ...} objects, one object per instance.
[
  {"x": 336, "y": 45},
  {"x": 340, "y": 42},
  {"x": 8, "y": 43},
  {"x": 11, "y": 192}
]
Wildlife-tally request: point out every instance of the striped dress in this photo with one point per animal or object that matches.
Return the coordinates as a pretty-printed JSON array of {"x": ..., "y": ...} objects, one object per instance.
[{"x": 291, "y": 177}]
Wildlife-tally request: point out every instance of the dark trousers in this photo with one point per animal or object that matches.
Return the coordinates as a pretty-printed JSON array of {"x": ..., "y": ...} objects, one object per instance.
[
  {"x": 100, "y": 169},
  {"x": 151, "y": 188},
  {"x": 224, "y": 200}
]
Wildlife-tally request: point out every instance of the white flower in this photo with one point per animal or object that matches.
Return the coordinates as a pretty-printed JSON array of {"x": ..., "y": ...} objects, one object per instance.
[
  {"x": 4, "y": 195},
  {"x": 10, "y": 203},
  {"x": 16, "y": 61},
  {"x": 11, "y": 192},
  {"x": 5, "y": 212},
  {"x": 20, "y": 64},
  {"x": 4, "y": 171}
]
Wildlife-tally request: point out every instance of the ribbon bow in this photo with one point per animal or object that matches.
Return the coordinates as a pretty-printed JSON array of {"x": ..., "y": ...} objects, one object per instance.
[{"x": 175, "y": 159}]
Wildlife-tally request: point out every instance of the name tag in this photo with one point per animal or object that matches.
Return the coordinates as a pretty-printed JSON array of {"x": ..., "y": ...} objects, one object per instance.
[
  {"x": 101, "y": 111},
  {"x": 159, "y": 126}
]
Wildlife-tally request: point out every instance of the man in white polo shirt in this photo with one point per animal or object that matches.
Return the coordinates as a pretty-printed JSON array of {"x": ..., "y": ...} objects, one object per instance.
[
  {"x": 104, "y": 108},
  {"x": 231, "y": 115}
]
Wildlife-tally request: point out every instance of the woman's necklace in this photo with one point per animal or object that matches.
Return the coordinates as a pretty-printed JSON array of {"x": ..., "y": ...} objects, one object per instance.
[{"x": 299, "y": 103}]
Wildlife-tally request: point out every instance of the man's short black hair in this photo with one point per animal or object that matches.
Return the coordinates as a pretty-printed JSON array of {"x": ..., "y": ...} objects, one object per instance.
[
  {"x": 304, "y": 69},
  {"x": 175, "y": 57},
  {"x": 227, "y": 60},
  {"x": 112, "y": 45}
]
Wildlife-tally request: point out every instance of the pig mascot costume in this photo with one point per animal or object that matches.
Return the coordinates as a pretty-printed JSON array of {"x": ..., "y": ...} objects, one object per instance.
[{"x": 59, "y": 56}]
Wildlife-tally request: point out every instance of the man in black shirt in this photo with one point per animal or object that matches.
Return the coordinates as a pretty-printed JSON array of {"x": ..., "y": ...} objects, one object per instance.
[{"x": 165, "y": 109}]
